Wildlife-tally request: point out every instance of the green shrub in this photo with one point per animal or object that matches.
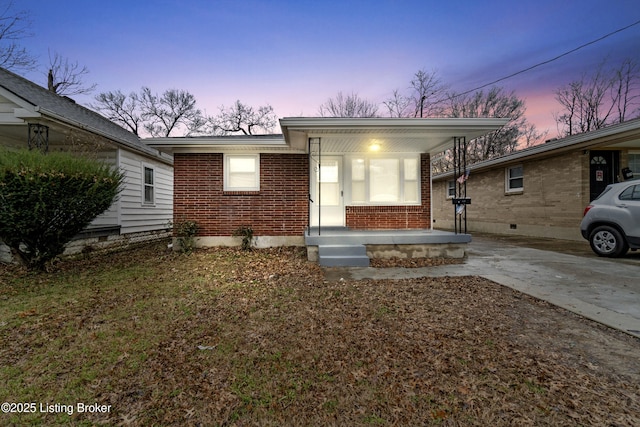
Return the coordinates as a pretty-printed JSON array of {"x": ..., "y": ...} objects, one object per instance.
[{"x": 46, "y": 199}]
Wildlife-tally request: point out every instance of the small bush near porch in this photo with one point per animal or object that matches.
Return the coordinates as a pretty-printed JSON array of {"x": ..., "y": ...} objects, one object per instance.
[{"x": 230, "y": 337}]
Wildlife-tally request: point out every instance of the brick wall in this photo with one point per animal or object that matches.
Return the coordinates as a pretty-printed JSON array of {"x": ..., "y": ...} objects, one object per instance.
[
  {"x": 556, "y": 190},
  {"x": 395, "y": 217},
  {"x": 280, "y": 208}
]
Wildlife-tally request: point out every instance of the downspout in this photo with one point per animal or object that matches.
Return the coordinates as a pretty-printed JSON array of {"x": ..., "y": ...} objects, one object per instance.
[{"x": 455, "y": 182}]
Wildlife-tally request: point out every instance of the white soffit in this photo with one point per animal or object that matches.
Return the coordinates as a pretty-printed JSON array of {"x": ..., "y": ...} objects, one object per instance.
[{"x": 391, "y": 134}]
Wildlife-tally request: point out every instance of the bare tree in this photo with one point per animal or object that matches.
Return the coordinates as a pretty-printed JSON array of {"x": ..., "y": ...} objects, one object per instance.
[
  {"x": 164, "y": 113},
  {"x": 498, "y": 104},
  {"x": 626, "y": 90},
  {"x": 157, "y": 115},
  {"x": 241, "y": 118},
  {"x": 65, "y": 78},
  {"x": 427, "y": 94},
  {"x": 597, "y": 100},
  {"x": 398, "y": 105},
  {"x": 121, "y": 109},
  {"x": 14, "y": 26},
  {"x": 348, "y": 106},
  {"x": 515, "y": 135},
  {"x": 425, "y": 97}
]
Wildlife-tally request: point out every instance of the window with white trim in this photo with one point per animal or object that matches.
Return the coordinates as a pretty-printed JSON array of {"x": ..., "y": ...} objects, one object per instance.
[
  {"x": 411, "y": 181},
  {"x": 148, "y": 196},
  {"x": 358, "y": 183},
  {"x": 451, "y": 189},
  {"x": 385, "y": 180},
  {"x": 514, "y": 179},
  {"x": 241, "y": 172}
]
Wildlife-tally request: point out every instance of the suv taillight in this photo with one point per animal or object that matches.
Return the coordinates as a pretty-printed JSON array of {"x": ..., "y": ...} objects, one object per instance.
[{"x": 587, "y": 210}]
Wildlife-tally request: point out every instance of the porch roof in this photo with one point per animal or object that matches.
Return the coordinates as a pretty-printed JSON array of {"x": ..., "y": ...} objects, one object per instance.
[
  {"x": 341, "y": 135},
  {"x": 344, "y": 135}
]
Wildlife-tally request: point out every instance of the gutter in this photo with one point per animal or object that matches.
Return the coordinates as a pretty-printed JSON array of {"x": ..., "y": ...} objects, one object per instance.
[{"x": 582, "y": 140}]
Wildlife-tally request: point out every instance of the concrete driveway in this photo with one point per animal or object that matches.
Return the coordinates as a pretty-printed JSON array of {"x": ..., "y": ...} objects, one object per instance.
[{"x": 563, "y": 273}]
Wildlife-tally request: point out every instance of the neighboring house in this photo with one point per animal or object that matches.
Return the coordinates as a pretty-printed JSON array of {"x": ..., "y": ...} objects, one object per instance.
[
  {"x": 31, "y": 116},
  {"x": 324, "y": 182},
  {"x": 542, "y": 191}
]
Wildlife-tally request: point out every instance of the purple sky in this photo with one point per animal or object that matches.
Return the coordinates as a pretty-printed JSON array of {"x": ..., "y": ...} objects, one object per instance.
[{"x": 296, "y": 54}]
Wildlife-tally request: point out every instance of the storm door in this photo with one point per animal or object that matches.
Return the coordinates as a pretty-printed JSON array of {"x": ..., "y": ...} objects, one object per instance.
[{"x": 327, "y": 201}]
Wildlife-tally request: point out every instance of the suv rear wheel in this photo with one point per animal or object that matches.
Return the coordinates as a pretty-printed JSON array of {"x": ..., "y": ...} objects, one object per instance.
[{"x": 606, "y": 241}]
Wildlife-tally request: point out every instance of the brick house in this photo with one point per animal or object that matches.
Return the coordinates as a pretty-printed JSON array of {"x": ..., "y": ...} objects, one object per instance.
[
  {"x": 361, "y": 181},
  {"x": 542, "y": 191}
]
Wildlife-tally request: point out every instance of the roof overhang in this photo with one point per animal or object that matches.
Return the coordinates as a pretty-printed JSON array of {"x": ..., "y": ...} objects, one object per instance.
[
  {"x": 341, "y": 135},
  {"x": 344, "y": 135},
  {"x": 220, "y": 144},
  {"x": 621, "y": 136}
]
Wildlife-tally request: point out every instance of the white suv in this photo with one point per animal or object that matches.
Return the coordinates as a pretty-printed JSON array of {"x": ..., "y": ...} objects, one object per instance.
[{"x": 611, "y": 222}]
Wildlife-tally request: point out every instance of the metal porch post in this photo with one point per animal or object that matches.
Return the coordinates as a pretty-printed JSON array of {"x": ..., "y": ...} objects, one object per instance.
[{"x": 460, "y": 200}]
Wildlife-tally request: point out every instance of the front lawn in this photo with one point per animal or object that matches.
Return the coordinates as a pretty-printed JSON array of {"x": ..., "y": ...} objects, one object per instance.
[{"x": 226, "y": 337}]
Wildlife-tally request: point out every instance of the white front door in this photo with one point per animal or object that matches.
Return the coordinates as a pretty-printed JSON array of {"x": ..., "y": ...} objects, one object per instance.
[{"x": 327, "y": 202}]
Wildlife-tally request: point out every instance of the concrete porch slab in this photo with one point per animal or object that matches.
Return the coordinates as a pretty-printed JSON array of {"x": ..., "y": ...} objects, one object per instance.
[
  {"x": 342, "y": 235},
  {"x": 390, "y": 243}
]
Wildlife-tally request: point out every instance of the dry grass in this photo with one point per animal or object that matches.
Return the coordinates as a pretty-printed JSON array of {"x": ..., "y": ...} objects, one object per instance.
[{"x": 224, "y": 337}]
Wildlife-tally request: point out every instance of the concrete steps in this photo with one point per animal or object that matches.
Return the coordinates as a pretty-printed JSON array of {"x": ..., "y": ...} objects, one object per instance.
[{"x": 343, "y": 255}]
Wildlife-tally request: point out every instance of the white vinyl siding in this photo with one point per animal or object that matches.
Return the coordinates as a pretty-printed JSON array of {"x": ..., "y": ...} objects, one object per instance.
[
  {"x": 134, "y": 215},
  {"x": 242, "y": 172},
  {"x": 109, "y": 217}
]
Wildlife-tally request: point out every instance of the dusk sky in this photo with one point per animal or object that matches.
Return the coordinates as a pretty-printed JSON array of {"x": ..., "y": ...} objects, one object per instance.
[{"x": 294, "y": 55}]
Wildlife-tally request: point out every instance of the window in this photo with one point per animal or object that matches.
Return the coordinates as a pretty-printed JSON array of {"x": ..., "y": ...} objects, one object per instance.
[
  {"x": 411, "y": 181},
  {"x": 149, "y": 186},
  {"x": 515, "y": 179},
  {"x": 358, "y": 186},
  {"x": 242, "y": 172},
  {"x": 451, "y": 189},
  {"x": 385, "y": 180}
]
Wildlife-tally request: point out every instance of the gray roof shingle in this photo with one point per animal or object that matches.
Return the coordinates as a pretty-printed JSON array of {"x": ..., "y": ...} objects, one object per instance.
[{"x": 65, "y": 109}]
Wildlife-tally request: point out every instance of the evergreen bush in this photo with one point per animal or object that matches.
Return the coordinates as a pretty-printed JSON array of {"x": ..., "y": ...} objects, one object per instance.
[{"x": 47, "y": 199}]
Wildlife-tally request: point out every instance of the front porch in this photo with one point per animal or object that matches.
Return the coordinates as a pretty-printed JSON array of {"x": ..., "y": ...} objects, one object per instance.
[{"x": 341, "y": 246}]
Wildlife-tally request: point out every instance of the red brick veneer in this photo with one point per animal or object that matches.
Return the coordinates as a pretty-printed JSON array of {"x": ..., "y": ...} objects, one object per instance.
[{"x": 280, "y": 208}]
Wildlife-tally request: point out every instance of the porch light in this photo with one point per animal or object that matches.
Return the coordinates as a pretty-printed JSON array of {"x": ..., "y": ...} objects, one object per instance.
[{"x": 374, "y": 146}]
